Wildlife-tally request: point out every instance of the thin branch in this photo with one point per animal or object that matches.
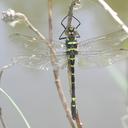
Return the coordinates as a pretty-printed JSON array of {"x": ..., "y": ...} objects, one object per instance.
[
  {"x": 125, "y": 28},
  {"x": 16, "y": 107},
  {"x": 1, "y": 116},
  {"x": 114, "y": 15},
  {"x": 50, "y": 21},
  {"x": 78, "y": 121},
  {"x": 2, "y": 69},
  {"x": 56, "y": 70},
  {"x": 5, "y": 67},
  {"x": 70, "y": 11},
  {"x": 1, "y": 73},
  {"x": 1, "y": 119}
]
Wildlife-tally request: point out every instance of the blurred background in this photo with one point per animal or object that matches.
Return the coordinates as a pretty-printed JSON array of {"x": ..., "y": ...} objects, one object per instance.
[{"x": 101, "y": 92}]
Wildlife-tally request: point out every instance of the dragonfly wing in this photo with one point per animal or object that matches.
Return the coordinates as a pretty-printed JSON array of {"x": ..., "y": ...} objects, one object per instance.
[
  {"x": 33, "y": 61},
  {"x": 35, "y": 52},
  {"x": 108, "y": 41},
  {"x": 104, "y": 50},
  {"x": 34, "y": 44},
  {"x": 101, "y": 58},
  {"x": 39, "y": 61}
]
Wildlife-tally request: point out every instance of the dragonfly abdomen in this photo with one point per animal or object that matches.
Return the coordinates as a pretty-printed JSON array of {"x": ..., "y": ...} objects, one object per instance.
[
  {"x": 71, "y": 63},
  {"x": 71, "y": 53}
]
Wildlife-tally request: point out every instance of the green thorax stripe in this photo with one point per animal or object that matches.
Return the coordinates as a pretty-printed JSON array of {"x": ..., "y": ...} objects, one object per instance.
[
  {"x": 73, "y": 58},
  {"x": 72, "y": 42},
  {"x": 74, "y": 99},
  {"x": 72, "y": 49}
]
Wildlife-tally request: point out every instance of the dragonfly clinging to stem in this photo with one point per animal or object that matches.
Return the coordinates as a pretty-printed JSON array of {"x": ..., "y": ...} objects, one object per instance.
[
  {"x": 99, "y": 51},
  {"x": 71, "y": 51}
]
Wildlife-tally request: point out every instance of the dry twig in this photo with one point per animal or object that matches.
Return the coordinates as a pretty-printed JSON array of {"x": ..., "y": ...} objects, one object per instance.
[
  {"x": 56, "y": 71},
  {"x": 1, "y": 119},
  {"x": 70, "y": 11},
  {"x": 114, "y": 15}
]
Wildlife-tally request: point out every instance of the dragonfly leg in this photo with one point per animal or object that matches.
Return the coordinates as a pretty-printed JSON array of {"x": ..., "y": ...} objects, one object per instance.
[
  {"x": 63, "y": 21},
  {"x": 77, "y": 34},
  {"x": 61, "y": 38},
  {"x": 78, "y": 22}
]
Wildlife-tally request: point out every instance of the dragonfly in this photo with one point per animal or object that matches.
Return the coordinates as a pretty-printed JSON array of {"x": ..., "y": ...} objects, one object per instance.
[{"x": 95, "y": 52}]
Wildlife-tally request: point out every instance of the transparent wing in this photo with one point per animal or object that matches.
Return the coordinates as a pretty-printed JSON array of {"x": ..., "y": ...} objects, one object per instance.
[
  {"x": 99, "y": 58},
  {"x": 39, "y": 61},
  {"x": 104, "y": 50},
  {"x": 108, "y": 41},
  {"x": 33, "y": 61},
  {"x": 99, "y": 51},
  {"x": 84, "y": 59},
  {"x": 35, "y": 45},
  {"x": 35, "y": 53}
]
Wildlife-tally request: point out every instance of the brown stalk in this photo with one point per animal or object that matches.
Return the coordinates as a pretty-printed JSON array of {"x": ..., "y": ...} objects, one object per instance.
[
  {"x": 70, "y": 11},
  {"x": 56, "y": 71},
  {"x": 70, "y": 15}
]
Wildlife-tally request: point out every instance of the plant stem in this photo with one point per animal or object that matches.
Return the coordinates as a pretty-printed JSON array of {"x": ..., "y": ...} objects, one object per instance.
[
  {"x": 114, "y": 15},
  {"x": 56, "y": 70},
  {"x": 1, "y": 119}
]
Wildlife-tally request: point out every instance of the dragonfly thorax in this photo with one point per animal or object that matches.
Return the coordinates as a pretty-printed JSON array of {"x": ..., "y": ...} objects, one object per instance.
[{"x": 71, "y": 46}]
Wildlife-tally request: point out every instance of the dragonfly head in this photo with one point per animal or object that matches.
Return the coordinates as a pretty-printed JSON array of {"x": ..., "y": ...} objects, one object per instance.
[{"x": 71, "y": 33}]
